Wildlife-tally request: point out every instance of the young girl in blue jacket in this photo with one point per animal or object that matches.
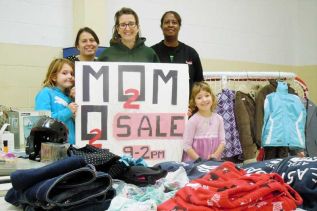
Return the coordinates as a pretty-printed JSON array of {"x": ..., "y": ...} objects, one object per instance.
[{"x": 54, "y": 95}]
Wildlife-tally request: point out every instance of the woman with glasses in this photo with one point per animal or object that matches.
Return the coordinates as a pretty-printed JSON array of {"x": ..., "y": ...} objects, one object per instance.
[
  {"x": 171, "y": 50},
  {"x": 126, "y": 44}
]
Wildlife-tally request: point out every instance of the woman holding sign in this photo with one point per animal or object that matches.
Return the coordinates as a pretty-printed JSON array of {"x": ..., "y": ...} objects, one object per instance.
[{"x": 126, "y": 44}]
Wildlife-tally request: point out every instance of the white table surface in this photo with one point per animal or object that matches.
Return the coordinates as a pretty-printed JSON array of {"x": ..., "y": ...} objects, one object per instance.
[
  {"x": 6, "y": 168},
  {"x": 6, "y": 206}
]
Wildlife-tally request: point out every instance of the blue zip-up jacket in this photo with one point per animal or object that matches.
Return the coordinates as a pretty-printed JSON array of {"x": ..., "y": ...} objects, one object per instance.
[
  {"x": 284, "y": 119},
  {"x": 54, "y": 100}
]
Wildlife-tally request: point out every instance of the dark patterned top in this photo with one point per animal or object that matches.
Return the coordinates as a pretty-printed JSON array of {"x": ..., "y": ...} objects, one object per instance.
[
  {"x": 75, "y": 58},
  {"x": 225, "y": 108},
  {"x": 72, "y": 58}
]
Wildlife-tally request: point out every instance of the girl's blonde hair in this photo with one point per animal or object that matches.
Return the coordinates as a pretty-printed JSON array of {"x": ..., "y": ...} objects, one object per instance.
[
  {"x": 54, "y": 68},
  {"x": 197, "y": 87}
]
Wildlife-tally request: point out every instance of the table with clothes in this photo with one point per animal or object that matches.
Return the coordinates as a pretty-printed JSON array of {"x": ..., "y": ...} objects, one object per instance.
[
  {"x": 7, "y": 167},
  {"x": 13, "y": 164},
  {"x": 96, "y": 179}
]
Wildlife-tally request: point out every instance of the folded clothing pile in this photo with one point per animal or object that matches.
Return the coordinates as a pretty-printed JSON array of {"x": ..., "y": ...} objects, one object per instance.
[
  {"x": 68, "y": 184},
  {"x": 230, "y": 188}
]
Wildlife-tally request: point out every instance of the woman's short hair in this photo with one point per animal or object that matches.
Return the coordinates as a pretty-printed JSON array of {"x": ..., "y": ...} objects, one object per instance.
[
  {"x": 88, "y": 30},
  {"x": 177, "y": 16}
]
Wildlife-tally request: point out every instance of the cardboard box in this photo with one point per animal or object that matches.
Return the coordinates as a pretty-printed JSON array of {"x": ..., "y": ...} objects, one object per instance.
[
  {"x": 21, "y": 122},
  {"x": 51, "y": 152},
  {"x": 6, "y": 135}
]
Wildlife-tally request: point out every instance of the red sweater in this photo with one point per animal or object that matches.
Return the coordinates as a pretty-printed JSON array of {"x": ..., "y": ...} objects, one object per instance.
[{"x": 230, "y": 188}]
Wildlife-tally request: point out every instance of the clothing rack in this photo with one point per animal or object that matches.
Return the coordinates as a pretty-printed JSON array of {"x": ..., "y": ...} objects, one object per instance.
[
  {"x": 248, "y": 75},
  {"x": 255, "y": 79}
]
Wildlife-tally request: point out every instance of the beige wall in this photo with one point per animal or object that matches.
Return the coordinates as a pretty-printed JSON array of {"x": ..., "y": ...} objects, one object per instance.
[
  {"x": 22, "y": 70},
  {"x": 23, "y": 67},
  {"x": 92, "y": 15},
  {"x": 309, "y": 75}
]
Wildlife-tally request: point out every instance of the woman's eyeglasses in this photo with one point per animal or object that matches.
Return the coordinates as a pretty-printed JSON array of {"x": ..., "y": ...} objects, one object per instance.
[{"x": 124, "y": 25}]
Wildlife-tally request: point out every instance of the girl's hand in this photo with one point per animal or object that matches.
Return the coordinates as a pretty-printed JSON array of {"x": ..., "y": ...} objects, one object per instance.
[
  {"x": 73, "y": 107},
  {"x": 218, "y": 152},
  {"x": 214, "y": 156},
  {"x": 301, "y": 154},
  {"x": 72, "y": 93},
  {"x": 189, "y": 112}
]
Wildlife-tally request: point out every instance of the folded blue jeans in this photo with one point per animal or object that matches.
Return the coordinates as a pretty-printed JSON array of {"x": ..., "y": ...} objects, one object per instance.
[
  {"x": 77, "y": 188},
  {"x": 22, "y": 179},
  {"x": 101, "y": 203}
]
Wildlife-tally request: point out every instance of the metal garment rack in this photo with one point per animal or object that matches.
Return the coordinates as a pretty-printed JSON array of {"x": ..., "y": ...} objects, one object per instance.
[
  {"x": 248, "y": 75},
  {"x": 256, "y": 77}
]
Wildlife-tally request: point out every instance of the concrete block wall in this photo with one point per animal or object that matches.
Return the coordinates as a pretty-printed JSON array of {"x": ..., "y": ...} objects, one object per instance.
[
  {"x": 22, "y": 70},
  {"x": 32, "y": 33},
  {"x": 230, "y": 35}
]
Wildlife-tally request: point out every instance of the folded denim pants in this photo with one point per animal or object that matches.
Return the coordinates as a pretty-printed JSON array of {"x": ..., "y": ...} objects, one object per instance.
[
  {"x": 65, "y": 191},
  {"x": 22, "y": 179},
  {"x": 101, "y": 203}
]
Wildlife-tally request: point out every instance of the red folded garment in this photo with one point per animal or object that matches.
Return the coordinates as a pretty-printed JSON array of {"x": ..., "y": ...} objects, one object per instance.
[{"x": 230, "y": 188}]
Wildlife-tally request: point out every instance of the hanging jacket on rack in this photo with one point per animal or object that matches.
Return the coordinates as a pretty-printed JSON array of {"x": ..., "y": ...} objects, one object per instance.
[
  {"x": 311, "y": 132},
  {"x": 225, "y": 108},
  {"x": 284, "y": 119},
  {"x": 244, "y": 110},
  {"x": 259, "y": 107}
]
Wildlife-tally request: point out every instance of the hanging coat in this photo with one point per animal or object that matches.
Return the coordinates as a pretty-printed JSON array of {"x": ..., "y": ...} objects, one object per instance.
[
  {"x": 284, "y": 119},
  {"x": 244, "y": 110},
  {"x": 311, "y": 129},
  {"x": 259, "y": 107},
  {"x": 225, "y": 108}
]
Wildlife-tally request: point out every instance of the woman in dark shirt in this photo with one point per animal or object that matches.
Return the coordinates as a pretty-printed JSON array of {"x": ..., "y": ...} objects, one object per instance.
[{"x": 171, "y": 50}]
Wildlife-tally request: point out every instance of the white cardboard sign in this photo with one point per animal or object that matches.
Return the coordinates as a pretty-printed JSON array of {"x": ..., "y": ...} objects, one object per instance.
[{"x": 132, "y": 108}]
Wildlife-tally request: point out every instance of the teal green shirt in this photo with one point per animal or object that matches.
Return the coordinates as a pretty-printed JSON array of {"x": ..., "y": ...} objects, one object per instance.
[{"x": 118, "y": 52}]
